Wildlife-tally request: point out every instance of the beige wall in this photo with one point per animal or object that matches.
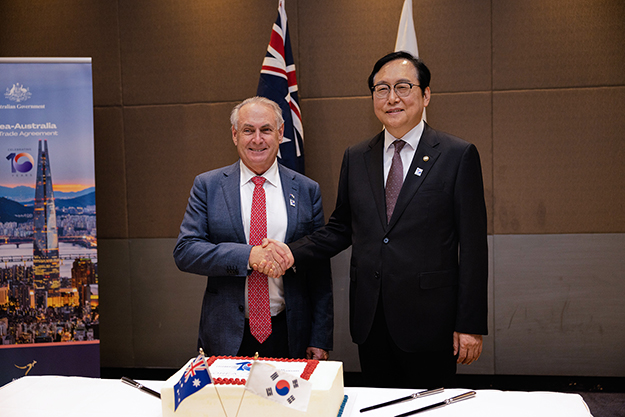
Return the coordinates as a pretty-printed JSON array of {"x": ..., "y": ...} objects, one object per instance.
[{"x": 537, "y": 85}]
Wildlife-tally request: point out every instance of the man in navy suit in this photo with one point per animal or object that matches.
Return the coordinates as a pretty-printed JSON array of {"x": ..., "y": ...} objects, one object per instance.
[
  {"x": 419, "y": 266},
  {"x": 214, "y": 237}
]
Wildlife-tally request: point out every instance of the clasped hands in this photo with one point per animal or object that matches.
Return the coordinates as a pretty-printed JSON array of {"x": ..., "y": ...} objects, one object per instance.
[{"x": 272, "y": 258}]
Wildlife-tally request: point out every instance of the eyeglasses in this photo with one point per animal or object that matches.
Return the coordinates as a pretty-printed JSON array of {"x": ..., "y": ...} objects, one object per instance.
[{"x": 402, "y": 89}]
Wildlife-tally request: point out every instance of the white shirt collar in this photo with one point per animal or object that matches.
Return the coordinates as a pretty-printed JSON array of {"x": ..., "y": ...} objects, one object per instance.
[
  {"x": 411, "y": 138},
  {"x": 272, "y": 175}
]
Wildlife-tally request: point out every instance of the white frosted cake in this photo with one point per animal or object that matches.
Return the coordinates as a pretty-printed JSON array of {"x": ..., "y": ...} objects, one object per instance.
[{"x": 227, "y": 396}]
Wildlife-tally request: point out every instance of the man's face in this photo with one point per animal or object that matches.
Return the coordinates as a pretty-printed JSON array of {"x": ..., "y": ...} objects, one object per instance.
[
  {"x": 257, "y": 137},
  {"x": 400, "y": 114}
]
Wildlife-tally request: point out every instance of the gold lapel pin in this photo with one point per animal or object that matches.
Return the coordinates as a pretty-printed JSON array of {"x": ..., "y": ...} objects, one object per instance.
[{"x": 426, "y": 158}]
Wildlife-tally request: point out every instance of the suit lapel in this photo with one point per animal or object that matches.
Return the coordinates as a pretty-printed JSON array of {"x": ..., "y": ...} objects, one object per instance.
[
  {"x": 231, "y": 187},
  {"x": 424, "y": 159},
  {"x": 290, "y": 190},
  {"x": 375, "y": 172}
]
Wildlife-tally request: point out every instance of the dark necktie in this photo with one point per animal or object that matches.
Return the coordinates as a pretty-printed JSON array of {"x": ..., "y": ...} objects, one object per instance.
[
  {"x": 394, "y": 180},
  {"x": 257, "y": 286}
]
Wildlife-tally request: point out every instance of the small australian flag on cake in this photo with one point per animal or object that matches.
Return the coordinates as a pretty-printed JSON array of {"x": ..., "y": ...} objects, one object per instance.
[{"x": 195, "y": 377}]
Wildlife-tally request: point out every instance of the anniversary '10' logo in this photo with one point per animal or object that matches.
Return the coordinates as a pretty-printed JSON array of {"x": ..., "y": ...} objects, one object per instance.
[{"x": 22, "y": 162}]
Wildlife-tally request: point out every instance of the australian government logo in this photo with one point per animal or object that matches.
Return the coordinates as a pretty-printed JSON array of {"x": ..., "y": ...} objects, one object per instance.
[{"x": 19, "y": 94}]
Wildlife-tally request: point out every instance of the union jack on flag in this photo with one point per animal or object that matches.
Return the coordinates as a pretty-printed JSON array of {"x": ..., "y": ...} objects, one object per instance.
[
  {"x": 278, "y": 83},
  {"x": 195, "y": 377}
]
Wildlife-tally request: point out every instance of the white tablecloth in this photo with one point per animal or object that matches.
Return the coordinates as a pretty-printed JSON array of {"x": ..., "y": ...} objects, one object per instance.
[
  {"x": 486, "y": 403},
  {"x": 74, "y": 396}
]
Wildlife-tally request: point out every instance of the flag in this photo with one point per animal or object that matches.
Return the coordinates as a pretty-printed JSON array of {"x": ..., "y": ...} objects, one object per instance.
[
  {"x": 406, "y": 35},
  {"x": 268, "y": 382},
  {"x": 278, "y": 83},
  {"x": 195, "y": 377}
]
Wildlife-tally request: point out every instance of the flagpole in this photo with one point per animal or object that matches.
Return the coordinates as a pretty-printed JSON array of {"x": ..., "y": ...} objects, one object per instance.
[
  {"x": 278, "y": 82},
  {"x": 407, "y": 36},
  {"x": 213, "y": 382},
  {"x": 248, "y": 378}
]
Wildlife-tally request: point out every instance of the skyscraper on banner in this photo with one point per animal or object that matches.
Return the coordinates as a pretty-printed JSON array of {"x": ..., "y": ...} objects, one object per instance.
[
  {"x": 46, "y": 238},
  {"x": 406, "y": 34},
  {"x": 278, "y": 82}
]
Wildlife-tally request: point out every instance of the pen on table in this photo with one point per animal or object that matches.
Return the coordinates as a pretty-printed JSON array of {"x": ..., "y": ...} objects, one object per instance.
[
  {"x": 137, "y": 385},
  {"x": 448, "y": 401},
  {"x": 401, "y": 400}
]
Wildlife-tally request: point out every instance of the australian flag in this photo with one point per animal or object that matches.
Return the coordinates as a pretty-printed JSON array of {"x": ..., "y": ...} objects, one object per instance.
[
  {"x": 195, "y": 377},
  {"x": 279, "y": 83}
]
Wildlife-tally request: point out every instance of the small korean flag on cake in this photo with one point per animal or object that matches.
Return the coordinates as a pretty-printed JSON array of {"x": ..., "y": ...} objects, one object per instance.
[{"x": 268, "y": 382}]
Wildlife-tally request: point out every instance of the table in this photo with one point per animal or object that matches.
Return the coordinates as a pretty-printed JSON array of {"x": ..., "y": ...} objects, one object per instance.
[
  {"x": 486, "y": 403},
  {"x": 77, "y": 396}
]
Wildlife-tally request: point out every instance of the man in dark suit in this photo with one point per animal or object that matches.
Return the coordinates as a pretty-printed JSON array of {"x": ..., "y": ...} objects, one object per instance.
[
  {"x": 215, "y": 235},
  {"x": 415, "y": 216}
]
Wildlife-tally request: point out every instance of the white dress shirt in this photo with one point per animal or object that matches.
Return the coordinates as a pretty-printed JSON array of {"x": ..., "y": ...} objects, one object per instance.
[
  {"x": 277, "y": 222},
  {"x": 411, "y": 138}
]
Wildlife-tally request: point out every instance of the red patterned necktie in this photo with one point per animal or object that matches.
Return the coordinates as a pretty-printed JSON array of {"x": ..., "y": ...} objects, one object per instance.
[
  {"x": 257, "y": 286},
  {"x": 394, "y": 180}
]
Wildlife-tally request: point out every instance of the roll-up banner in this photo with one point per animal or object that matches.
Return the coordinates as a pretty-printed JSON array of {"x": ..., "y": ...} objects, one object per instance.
[{"x": 48, "y": 242}]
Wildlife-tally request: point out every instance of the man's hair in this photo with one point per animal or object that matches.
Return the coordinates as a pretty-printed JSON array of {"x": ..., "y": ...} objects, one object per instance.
[
  {"x": 234, "y": 115},
  {"x": 423, "y": 73}
]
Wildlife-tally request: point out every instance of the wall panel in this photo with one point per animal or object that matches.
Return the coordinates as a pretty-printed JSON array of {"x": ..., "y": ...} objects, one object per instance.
[
  {"x": 337, "y": 52},
  {"x": 454, "y": 40},
  {"x": 166, "y": 305},
  {"x": 330, "y": 126},
  {"x": 110, "y": 173},
  {"x": 117, "y": 323},
  {"x": 194, "y": 51},
  {"x": 558, "y": 304},
  {"x": 72, "y": 28},
  {"x": 558, "y": 161},
  {"x": 558, "y": 43},
  {"x": 166, "y": 147}
]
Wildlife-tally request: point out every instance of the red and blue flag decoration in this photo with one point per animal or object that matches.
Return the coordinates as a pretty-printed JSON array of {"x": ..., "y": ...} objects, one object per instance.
[
  {"x": 195, "y": 377},
  {"x": 278, "y": 386},
  {"x": 278, "y": 82}
]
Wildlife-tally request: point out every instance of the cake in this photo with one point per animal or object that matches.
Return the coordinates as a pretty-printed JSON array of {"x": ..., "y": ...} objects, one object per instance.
[{"x": 229, "y": 376}]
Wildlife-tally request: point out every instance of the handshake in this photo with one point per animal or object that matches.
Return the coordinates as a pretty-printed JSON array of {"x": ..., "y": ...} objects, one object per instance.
[{"x": 271, "y": 258}]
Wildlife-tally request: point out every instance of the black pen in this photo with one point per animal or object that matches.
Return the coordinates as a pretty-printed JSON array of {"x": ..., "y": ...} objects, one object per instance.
[
  {"x": 448, "y": 401},
  {"x": 137, "y": 385},
  {"x": 401, "y": 400}
]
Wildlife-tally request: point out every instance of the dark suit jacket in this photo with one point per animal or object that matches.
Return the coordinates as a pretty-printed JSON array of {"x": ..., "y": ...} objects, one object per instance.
[
  {"x": 430, "y": 264},
  {"x": 212, "y": 243}
]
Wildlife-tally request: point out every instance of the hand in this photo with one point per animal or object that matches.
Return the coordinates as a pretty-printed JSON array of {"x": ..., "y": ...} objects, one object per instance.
[
  {"x": 263, "y": 260},
  {"x": 468, "y": 347},
  {"x": 281, "y": 254},
  {"x": 317, "y": 353}
]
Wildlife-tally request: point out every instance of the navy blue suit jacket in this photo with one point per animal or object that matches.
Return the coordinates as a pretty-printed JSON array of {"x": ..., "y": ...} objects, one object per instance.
[
  {"x": 430, "y": 263},
  {"x": 212, "y": 243}
]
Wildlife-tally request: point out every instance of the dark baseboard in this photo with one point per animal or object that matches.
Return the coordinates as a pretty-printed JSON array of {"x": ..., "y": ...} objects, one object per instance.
[
  {"x": 524, "y": 382},
  {"x": 543, "y": 383}
]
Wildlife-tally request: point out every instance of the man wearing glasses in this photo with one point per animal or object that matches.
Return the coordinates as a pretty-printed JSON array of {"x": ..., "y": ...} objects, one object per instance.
[{"x": 411, "y": 203}]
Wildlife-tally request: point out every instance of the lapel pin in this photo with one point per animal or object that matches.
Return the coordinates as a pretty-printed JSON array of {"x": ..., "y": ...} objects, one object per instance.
[
  {"x": 426, "y": 158},
  {"x": 418, "y": 172},
  {"x": 292, "y": 200}
]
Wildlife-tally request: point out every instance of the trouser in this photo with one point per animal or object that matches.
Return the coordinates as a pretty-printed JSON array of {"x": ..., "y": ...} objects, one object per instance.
[{"x": 275, "y": 346}]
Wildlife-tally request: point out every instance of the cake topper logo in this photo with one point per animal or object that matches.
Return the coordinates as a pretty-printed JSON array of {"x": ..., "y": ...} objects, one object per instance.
[
  {"x": 21, "y": 162},
  {"x": 244, "y": 366},
  {"x": 17, "y": 93}
]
